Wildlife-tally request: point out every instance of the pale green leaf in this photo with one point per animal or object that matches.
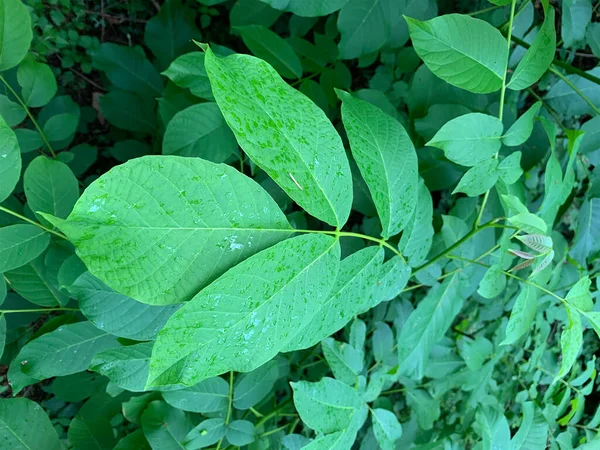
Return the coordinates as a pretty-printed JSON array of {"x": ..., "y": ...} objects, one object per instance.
[
  {"x": 469, "y": 139},
  {"x": 521, "y": 130},
  {"x": 15, "y": 33},
  {"x": 533, "y": 432},
  {"x": 426, "y": 325},
  {"x": 417, "y": 237},
  {"x": 127, "y": 367},
  {"x": 36, "y": 282},
  {"x": 579, "y": 295},
  {"x": 592, "y": 37},
  {"x": 493, "y": 282},
  {"x": 201, "y": 131},
  {"x": 537, "y": 242},
  {"x": 522, "y": 314},
  {"x": 267, "y": 45},
  {"x": 38, "y": 84},
  {"x": 10, "y": 160},
  {"x": 493, "y": 428},
  {"x": 241, "y": 432},
  {"x": 165, "y": 215},
  {"x": 587, "y": 235},
  {"x": 539, "y": 56},
  {"x": 116, "y": 313},
  {"x": 50, "y": 187},
  {"x": 285, "y": 134},
  {"x": 386, "y": 158},
  {"x": 362, "y": 27},
  {"x": 571, "y": 340},
  {"x": 326, "y": 406},
  {"x": 569, "y": 103},
  {"x": 307, "y": 8},
  {"x": 188, "y": 71},
  {"x": 25, "y": 426},
  {"x": 426, "y": 407},
  {"x": 164, "y": 426},
  {"x": 510, "y": 169},
  {"x": 479, "y": 179},
  {"x": 345, "y": 361},
  {"x": 128, "y": 69},
  {"x": 576, "y": 15},
  {"x": 386, "y": 427},
  {"x": 466, "y": 52},
  {"x": 244, "y": 318},
  {"x": 251, "y": 388},
  {"x": 208, "y": 432},
  {"x": 528, "y": 222},
  {"x": 208, "y": 396},
  {"x": 66, "y": 350},
  {"x": 20, "y": 244}
]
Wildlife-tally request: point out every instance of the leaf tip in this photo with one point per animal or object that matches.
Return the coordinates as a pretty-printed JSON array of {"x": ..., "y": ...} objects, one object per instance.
[{"x": 205, "y": 47}]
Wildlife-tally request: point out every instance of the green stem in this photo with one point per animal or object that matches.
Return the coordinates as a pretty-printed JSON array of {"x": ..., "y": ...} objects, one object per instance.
[
  {"x": 483, "y": 11},
  {"x": 24, "y": 106},
  {"x": 228, "y": 416},
  {"x": 42, "y": 310},
  {"x": 276, "y": 430},
  {"x": 502, "y": 95},
  {"x": 272, "y": 413},
  {"x": 12, "y": 213},
  {"x": 576, "y": 89}
]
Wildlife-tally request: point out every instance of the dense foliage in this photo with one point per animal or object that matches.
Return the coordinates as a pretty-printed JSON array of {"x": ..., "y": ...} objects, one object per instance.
[{"x": 285, "y": 224}]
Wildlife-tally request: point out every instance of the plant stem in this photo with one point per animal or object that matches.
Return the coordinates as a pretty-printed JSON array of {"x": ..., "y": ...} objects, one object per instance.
[
  {"x": 42, "y": 310},
  {"x": 483, "y": 11},
  {"x": 502, "y": 95},
  {"x": 576, "y": 89},
  {"x": 272, "y": 413},
  {"x": 24, "y": 106},
  {"x": 228, "y": 416},
  {"x": 276, "y": 430},
  {"x": 12, "y": 213}
]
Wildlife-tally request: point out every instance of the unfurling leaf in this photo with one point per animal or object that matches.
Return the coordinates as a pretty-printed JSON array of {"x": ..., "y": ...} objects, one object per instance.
[{"x": 537, "y": 242}]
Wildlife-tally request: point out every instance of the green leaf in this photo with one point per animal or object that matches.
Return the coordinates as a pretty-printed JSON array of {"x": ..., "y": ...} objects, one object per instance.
[
  {"x": 116, "y": 313},
  {"x": 571, "y": 340},
  {"x": 188, "y": 72},
  {"x": 510, "y": 169},
  {"x": 326, "y": 406},
  {"x": 129, "y": 111},
  {"x": 201, "y": 131},
  {"x": 479, "y": 179},
  {"x": 386, "y": 158},
  {"x": 170, "y": 32},
  {"x": 493, "y": 427},
  {"x": 469, "y": 139},
  {"x": 251, "y": 388},
  {"x": 66, "y": 350},
  {"x": 539, "y": 56},
  {"x": 253, "y": 12},
  {"x": 91, "y": 433},
  {"x": 20, "y": 244},
  {"x": 267, "y": 45},
  {"x": 528, "y": 222},
  {"x": 178, "y": 212},
  {"x": 579, "y": 295},
  {"x": 29, "y": 140},
  {"x": 133, "y": 441},
  {"x": 594, "y": 318},
  {"x": 128, "y": 69},
  {"x": 256, "y": 308},
  {"x": 425, "y": 407},
  {"x": 533, "y": 432},
  {"x": 285, "y": 134},
  {"x": 50, "y": 187},
  {"x": 127, "y": 367},
  {"x": 345, "y": 361},
  {"x": 466, "y": 52},
  {"x": 77, "y": 387},
  {"x": 418, "y": 235},
  {"x": 521, "y": 130},
  {"x": 165, "y": 427},
  {"x": 493, "y": 282},
  {"x": 592, "y": 37},
  {"x": 208, "y": 432},
  {"x": 60, "y": 127},
  {"x": 10, "y": 155},
  {"x": 240, "y": 432},
  {"x": 386, "y": 428},
  {"x": 587, "y": 235},
  {"x": 15, "y": 35},
  {"x": 522, "y": 315},
  {"x": 361, "y": 25},
  {"x": 576, "y": 15},
  {"x": 11, "y": 112},
  {"x": 307, "y": 8},
  {"x": 37, "y": 82},
  {"x": 569, "y": 103},
  {"x": 208, "y": 396},
  {"x": 426, "y": 325},
  {"x": 25, "y": 426}
]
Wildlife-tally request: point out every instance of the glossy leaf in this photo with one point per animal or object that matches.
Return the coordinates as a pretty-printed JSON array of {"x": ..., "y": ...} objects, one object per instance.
[
  {"x": 201, "y": 131},
  {"x": 175, "y": 213},
  {"x": 10, "y": 157},
  {"x": 20, "y": 244},
  {"x": 208, "y": 396},
  {"x": 187, "y": 71},
  {"x": 469, "y": 139},
  {"x": 127, "y": 367},
  {"x": 256, "y": 308},
  {"x": 24, "y": 425},
  {"x": 463, "y": 51},
  {"x": 284, "y": 133},
  {"x": 386, "y": 158}
]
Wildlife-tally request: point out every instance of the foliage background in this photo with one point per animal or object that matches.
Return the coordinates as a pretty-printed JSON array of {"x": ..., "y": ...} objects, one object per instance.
[{"x": 105, "y": 82}]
